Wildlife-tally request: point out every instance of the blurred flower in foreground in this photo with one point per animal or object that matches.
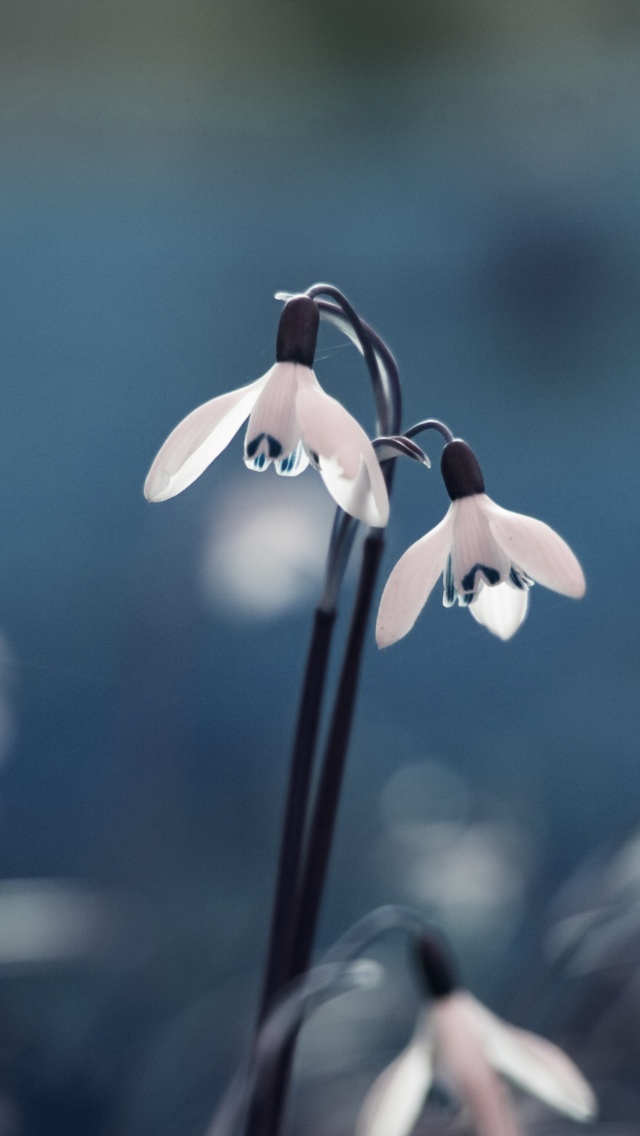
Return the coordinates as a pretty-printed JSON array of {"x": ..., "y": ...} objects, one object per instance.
[
  {"x": 488, "y": 556},
  {"x": 291, "y": 422},
  {"x": 459, "y": 1039}
]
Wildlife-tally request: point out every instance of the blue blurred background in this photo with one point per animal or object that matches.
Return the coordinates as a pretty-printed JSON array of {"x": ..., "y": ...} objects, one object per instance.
[{"x": 469, "y": 174}]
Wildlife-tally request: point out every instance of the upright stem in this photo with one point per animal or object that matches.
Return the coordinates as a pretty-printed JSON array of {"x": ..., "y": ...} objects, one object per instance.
[
  {"x": 296, "y": 807},
  {"x": 301, "y": 767},
  {"x": 322, "y": 825},
  {"x": 265, "y": 1119},
  {"x": 296, "y": 908}
]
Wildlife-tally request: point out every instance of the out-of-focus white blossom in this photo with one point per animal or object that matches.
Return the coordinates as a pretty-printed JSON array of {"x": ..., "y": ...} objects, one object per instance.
[{"x": 462, "y": 1042}]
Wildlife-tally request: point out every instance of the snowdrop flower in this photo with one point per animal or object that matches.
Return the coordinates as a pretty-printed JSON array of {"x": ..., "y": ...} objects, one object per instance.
[
  {"x": 461, "y": 1041},
  {"x": 488, "y": 556},
  {"x": 292, "y": 422}
]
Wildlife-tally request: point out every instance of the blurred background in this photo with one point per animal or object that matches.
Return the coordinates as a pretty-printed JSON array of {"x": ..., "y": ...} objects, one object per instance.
[{"x": 468, "y": 172}]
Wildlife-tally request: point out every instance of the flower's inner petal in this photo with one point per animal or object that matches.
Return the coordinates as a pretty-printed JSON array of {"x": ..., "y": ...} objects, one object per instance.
[
  {"x": 520, "y": 579},
  {"x": 343, "y": 453},
  {"x": 395, "y": 1100},
  {"x": 501, "y": 609},
  {"x": 534, "y": 1064},
  {"x": 198, "y": 439},
  {"x": 536, "y": 550},
  {"x": 272, "y": 433},
  {"x": 478, "y": 573},
  {"x": 262, "y": 450},
  {"x": 450, "y": 596},
  {"x": 411, "y": 582},
  {"x": 475, "y": 554},
  {"x": 294, "y": 463}
]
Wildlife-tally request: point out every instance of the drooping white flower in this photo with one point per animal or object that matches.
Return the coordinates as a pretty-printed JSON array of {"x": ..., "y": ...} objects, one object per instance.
[
  {"x": 462, "y": 1042},
  {"x": 488, "y": 557},
  {"x": 292, "y": 422}
]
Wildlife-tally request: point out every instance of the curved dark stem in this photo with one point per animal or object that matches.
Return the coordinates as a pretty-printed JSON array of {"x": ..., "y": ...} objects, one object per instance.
[
  {"x": 335, "y": 973},
  {"x": 429, "y": 424},
  {"x": 364, "y": 341},
  {"x": 276, "y": 1033},
  {"x": 299, "y": 888},
  {"x": 388, "y": 401},
  {"x": 382, "y": 366}
]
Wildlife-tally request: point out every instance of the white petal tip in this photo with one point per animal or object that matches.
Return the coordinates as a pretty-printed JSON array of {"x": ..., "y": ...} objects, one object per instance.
[
  {"x": 579, "y": 588},
  {"x": 501, "y": 609},
  {"x": 395, "y": 1100},
  {"x": 533, "y": 1064},
  {"x": 379, "y": 518},
  {"x": 156, "y": 486},
  {"x": 383, "y": 638}
]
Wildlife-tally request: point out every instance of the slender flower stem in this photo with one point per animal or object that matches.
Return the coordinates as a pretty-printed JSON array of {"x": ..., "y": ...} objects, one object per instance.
[
  {"x": 325, "y": 810},
  {"x": 266, "y": 1119},
  {"x": 383, "y": 410},
  {"x": 386, "y": 380},
  {"x": 301, "y": 766},
  {"x": 336, "y": 972},
  {"x": 386, "y": 385},
  {"x": 300, "y": 772},
  {"x": 319, "y": 985},
  {"x": 313, "y": 873},
  {"x": 429, "y": 424},
  {"x": 295, "y": 912}
]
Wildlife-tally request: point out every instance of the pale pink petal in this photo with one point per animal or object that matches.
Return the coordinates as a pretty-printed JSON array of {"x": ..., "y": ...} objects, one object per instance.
[
  {"x": 396, "y": 1098},
  {"x": 411, "y": 582},
  {"x": 500, "y": 609},
  {"x": 273, "y": 433},
  {"x": 475, "y": 554},
  {"x": 536, "y": 549},
  {"x": 342, "y": 452},
  {"x": 198, "y": 439},
  {"x": 533, "y": 1063},
  {"x": 463, "y": 1063}
]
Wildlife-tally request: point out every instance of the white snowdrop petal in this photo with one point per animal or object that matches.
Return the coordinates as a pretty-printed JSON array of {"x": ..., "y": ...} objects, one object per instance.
[
  {"x": 411, "y": 582},
  {"x": 395, "y": 1100},
  {"x": 501, "y": 609},
  {"x": 465, "y": 1066},
  {"x": 537, "y": 550},
  {"x": 273, "y": 433},
  {"x": 354, "y": 495},
  {"x": 342, "y": 451},
  {"x": 475, "y": 554},
  {"x": 534, "y": 1064},
  {"x": 198, "y": 439}
]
